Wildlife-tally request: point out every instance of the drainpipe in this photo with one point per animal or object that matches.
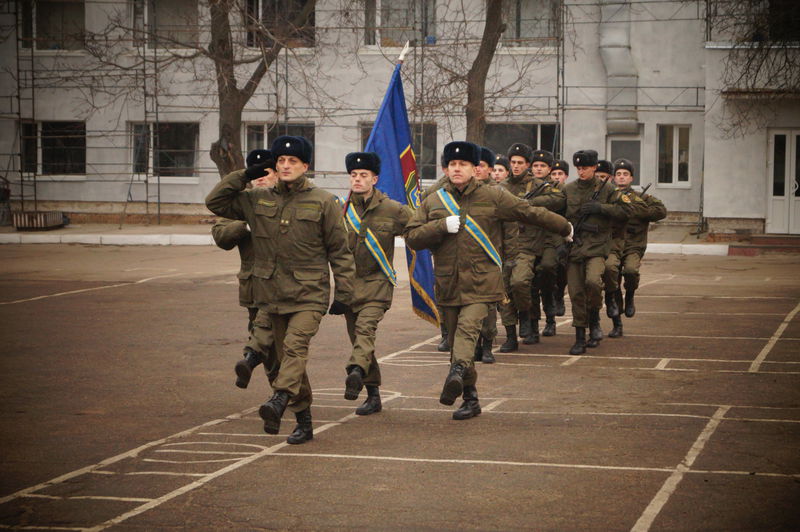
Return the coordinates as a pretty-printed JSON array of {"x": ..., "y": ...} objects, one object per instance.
[{"x": 622, "y": 78}]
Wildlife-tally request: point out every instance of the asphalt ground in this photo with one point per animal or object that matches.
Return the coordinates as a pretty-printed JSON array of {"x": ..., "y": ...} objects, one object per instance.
[{"x": 118, "y": 409}]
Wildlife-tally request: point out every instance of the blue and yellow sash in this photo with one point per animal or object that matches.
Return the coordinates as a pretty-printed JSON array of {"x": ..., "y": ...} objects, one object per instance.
[
  {"x": 372, "y": 243},
  {"x": 471, "y": 225}
]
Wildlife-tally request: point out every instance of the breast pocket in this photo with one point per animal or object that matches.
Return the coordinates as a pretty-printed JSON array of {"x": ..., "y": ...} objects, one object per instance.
[
  {"x": 266, "y": 219},
  {"x": 307, "y": 225}
]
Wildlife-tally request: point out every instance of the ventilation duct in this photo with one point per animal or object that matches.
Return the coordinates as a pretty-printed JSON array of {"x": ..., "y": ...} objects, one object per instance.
[{"x": 622, "y": 78}]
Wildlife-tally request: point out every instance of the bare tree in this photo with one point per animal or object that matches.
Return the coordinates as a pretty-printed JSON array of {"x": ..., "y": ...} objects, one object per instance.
[{"x": 476, "y": 78}]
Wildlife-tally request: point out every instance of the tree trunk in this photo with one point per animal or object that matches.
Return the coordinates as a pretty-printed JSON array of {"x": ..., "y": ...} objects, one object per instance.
[{"x": 476, "y": 78}]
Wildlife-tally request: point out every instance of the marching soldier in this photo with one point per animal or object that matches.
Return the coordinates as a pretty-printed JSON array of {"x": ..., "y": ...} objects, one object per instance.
[
  {"x": 443, "y": 346},
  {"x": 372, "y": 220},
  {"x": 559, "y": 173},
  {"x": 460, "y": 224},
  {"x": 591, "y": 203},
  {"x": 228, "y": 234},
  {"x": 635, "y": 232},
  {"x": 501, "y": 169},
  {"x": 298, "y": 231},
  {"x": 605, "y": 170}
]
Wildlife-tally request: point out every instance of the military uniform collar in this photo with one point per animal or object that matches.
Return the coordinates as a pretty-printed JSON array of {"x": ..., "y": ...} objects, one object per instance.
[
  {"x": 471, "y": 185},
  {"x": 524, "y": 177},
  {"x": 301, "y": 184},
  {"x": 373, "y": 201}
]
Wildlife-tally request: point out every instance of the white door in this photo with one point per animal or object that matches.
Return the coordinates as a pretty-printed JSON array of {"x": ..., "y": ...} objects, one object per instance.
[{"x": 783, "y": 191}]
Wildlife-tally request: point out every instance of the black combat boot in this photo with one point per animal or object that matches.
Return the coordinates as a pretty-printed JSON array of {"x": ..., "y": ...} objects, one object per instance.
[
  {"x": 478, "y": 354},
  {"x": 453, "y": 384},
  {"x": 549, "y": 326},
  {"x": 470, "y": 407},
  {"x": 245, "y": 366},
  {"x": 303, "y": 431},
  {"x": 524, "y": 324},
  {"x": 560, "y": 308},
  {"x": 612, "y": 310},
  {"x": 353, "y": 383},
  {"x": 630, "y": 309},
  {"x": 272, "y": 411},
  {"x": 616, "y": 332},
  {"x": 511, "y": 343},
  {"x": 487, "y": 357},
  {"x": 580, "y": 342},
  {"x": 533, "y": 337},
  {"x": 372, "y": 404},
  {"x": 443, "y": 346},
  {"x": 595, "y": 332}
]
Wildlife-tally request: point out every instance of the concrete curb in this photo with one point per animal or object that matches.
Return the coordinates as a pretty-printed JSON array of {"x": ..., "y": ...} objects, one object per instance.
[{"x": 207, "y": 240}]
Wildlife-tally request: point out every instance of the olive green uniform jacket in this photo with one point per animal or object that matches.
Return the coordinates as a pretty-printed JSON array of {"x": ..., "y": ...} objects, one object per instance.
[
  {"x": 639, "y": 223},
  {"x": 534, "y": 239},
  {"x": 228, "y": 234},
  {"x": 594, "y": 240},
  {"x": 464, "y": 272},
  {"x": 297, "y": 231},
  {"x": 387, "y": 219}
]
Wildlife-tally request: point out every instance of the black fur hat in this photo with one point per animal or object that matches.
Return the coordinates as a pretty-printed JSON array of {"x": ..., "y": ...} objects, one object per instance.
[
  {"x": 560, "y": 165},
  {"x": 462, "y": 151},
  {"x": 260, "y": 156},
  {"x": 624, "y": 164},
  {"x": 487, "y": 155},
  {"x": 523, "y": 150},
  {"x": 363, "y": 160},
  {"x": 499, "y": 159},
  {"x": 584, "y": 158},
  {"x": 605, "y": 166},
  {"x": 542, "y": 156},
  {"x": 295, "y": 146}
]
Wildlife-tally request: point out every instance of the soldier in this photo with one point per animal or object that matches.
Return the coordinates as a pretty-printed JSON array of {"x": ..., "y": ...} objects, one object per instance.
[
  {"x": 443, "y": 347},
  {"x": 228, "y": 234},
  {"x": 299, "y": 231},
  {"x": 605, "y": 170},
  {"x": 591, "y": 203},
  {"x": 559, "y": 173},
  {"x": 635, "y": 232},
  {"x": 372, "y": 220},
  {"x": 501, "y": 169},
  {"x": 466, "y": 261},
  {"x": 531, "y": 242}
]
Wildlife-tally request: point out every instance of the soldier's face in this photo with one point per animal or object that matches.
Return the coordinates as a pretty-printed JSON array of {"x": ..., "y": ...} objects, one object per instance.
[
  {"x": 270, "y": 179},
  {"x": 362, "y": 181},
  {"x": 499, "y": 173},
  {"x": 518, "y": 164},
  {"x": 540, "y": 169},
  {"x": 559, "y": 176},
  {"x": 623, "y": 178},
  {"x": 482, "y": 171},
  {"x": 290, "y": 168},
  {"x": 460, "y": 172},
  {"x": 602, "y": 175},
  {"x": 586, "y": 172}
]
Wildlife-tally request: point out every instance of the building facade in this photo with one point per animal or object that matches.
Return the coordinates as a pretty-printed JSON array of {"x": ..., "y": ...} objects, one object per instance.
[{"x": 112, "y": 107}]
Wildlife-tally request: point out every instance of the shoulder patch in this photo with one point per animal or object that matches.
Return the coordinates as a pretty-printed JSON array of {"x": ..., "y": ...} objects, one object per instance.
[{"x": 626, "y": 198}]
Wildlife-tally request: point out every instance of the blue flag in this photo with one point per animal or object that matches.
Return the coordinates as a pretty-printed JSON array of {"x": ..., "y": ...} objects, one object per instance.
[{"x": 391, "y": 140}]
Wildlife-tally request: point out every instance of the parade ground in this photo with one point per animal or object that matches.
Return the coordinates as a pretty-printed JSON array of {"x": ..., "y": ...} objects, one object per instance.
[{"x": 119, "y": 409}]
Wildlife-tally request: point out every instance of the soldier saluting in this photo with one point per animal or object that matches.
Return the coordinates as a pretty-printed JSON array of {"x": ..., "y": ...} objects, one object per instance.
[
  {"x": 297, "y": 232},
  {"x": 372, "y": 220},
  {"x": 460, "y": 224}
]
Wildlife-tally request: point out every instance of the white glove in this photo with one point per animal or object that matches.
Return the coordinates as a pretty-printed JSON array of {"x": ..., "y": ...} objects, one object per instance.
[
  {"x": 568, "y": 238},
  {"x": 453, "y": 223}
]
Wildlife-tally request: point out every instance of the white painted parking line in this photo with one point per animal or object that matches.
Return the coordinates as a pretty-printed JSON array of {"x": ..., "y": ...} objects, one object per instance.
[
  {"x": 662, "y": 364},
  {"x": 756, "y": 365},
  {"x": 658, "y": 502},
  {"x": 494, "y": 404}
]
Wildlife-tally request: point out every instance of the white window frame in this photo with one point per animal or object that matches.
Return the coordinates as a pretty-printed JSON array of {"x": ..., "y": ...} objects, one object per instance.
[
  {"x": 504, "y": 46},
  {"x": 34, "y": 42},
  {"x": 26, "y": 175},
  {"x": 429, "y": 39},
  {"x": 674, "y": 183},
  {"x": 637, "y": 180},
  {"x": 167, "y": 179},
  {"x": 148, "y": 32}
]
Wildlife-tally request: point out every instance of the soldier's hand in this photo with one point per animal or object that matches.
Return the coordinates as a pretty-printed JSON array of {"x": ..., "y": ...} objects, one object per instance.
[
  {"x": 453, "y": 223},
  {"x": 591, "y": 207},
  {"x": 338, "y": 308},
  {"x": 256, "y": 171},
  {"x": 571, "y": 234}
]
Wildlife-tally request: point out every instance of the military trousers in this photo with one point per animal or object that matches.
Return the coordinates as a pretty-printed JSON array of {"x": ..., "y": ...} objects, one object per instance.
[
  {"x": 251, "y": 316},
  {"x": 521, "y": 278},
  {"x": 463, "y": 328},
  {"x": 292, "y": 334},
  {"x": 508, "y": 310},
  {"x": 585, "y": 283},
  {"x": 489, "y": 325},
  {"x": 361, "y": 327},
  {"x": 630, "y": 270},
  {"x": 544, "y": 282},
  {"x": 611, "y": 275}
]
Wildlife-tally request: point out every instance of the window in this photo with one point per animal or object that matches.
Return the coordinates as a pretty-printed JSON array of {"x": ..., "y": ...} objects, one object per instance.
[
  {"x": 499, "y": 137},
  {"x": 630, "y": 149},
  {"x": 393, "y": 22},
  {"x": 423, "y": 142},
  {"x": 529, "y": 20},
  {"x": 53, "y": 148},
  {"x": 784, "y": 20},
  {"x": 174, "y": 148},
  {"x": 54, "y": 25},
  {"x": 673, "y": 154},
  {"x": 277, "y": 16},
  {"x": 170, "y": 24},
  {"x": 30, "y": 147},
  {"x": 295, "y": 130}
]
